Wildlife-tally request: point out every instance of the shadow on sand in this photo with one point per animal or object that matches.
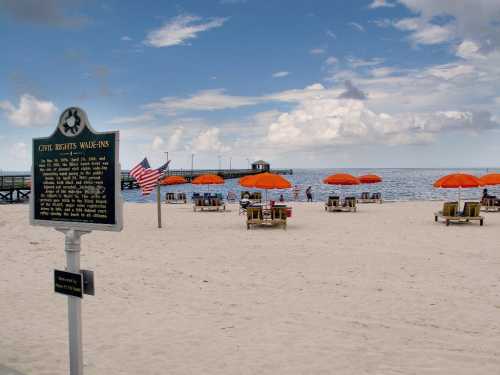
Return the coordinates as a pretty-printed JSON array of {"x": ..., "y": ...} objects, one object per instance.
[{"x": 8, "y": 371}]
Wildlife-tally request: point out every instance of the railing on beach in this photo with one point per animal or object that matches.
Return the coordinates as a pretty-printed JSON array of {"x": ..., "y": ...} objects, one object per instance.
[{"x": 14, "y": 188}]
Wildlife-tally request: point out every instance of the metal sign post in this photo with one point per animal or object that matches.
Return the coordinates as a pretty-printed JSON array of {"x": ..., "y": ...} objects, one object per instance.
[{"x": 72, "y": 248}]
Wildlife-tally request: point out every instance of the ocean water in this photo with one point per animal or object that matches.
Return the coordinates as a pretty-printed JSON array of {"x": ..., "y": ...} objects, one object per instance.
[{"x": 398, "y": 185}]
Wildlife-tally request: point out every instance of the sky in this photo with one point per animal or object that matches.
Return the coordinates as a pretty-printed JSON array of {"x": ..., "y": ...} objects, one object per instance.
[{"x": 326, "y": 84}]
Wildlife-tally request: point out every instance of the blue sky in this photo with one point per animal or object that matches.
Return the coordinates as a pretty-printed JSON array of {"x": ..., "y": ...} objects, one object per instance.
[{"x": 372, "y": 83}]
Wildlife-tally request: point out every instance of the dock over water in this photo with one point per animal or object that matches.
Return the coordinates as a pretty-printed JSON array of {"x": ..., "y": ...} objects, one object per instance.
[{"x": 16, "y": 188}]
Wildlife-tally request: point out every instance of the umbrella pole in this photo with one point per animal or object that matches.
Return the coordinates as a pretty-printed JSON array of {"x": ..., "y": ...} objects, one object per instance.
[{"x": 459, "y": 191}]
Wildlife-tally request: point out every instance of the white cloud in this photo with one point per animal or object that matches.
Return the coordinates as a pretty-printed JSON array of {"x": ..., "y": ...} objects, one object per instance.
[
  {"x": 317, "y": 51},
  {"x": 126, "y": 38},
  {"x": 357, "y": 26},
  {"x": 475, "y": 20},
  {"x": 174, "y": 140},
  {"x": 31, "y": 112},
  {"x": 424, "y": 32},
  {"x": 450, "y": 71},
  {"x": 432, "y": 34},
  {"x": 382, "y": 72},
  {"x": 180, "y": 29},
  {"x": 468, "y": 49},
  {"x": 132, "y": 120},
  {"x": 19, "y": 151},
  {"x": 359, "y": 63},
  {"x": 157, "y": 143},
  {"x": 206, "y": 100},
  {"x": 331, "y": 60},
  {"x": 331, "y": 34},
  {"x": 381, "y": 4},
  {"x": 326, "y": 123},
  {"x": 280, "y": 74},
  {"x": 208, "y": 140}
]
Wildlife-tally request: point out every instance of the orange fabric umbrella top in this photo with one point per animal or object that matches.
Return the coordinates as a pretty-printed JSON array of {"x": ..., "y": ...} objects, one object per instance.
[
  {"x": 341, "y": 179},
  {"x": 173, "y": 180},
  {"x": 265, "y": 181},
  {"x": 458, "y": 180},
  {"x": 370, "y": 179},
  {"x": 247, "y": 181},
  {"x": 208, "y": 179},
  {"x": 491, "y": 179}
]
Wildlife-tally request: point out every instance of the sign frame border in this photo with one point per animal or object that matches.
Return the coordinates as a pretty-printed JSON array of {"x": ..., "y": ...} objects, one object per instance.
[{"x": 118, "y": 226}]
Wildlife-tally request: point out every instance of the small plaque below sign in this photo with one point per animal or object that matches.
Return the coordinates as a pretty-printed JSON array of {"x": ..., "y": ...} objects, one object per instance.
[{"x": 68, "y": 283}]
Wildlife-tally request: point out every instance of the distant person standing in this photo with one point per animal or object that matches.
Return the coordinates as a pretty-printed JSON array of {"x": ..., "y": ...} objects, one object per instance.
[
  {"x": 296, "y": 191},
  {"x": 309, "y": 194}
]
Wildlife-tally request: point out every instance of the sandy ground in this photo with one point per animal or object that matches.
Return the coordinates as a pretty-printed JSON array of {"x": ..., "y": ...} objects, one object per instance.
[{"x": 382, "y": 291}]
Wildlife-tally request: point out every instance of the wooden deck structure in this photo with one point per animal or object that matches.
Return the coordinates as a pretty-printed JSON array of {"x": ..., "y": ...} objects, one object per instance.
[{"x": 16, "y": 188}]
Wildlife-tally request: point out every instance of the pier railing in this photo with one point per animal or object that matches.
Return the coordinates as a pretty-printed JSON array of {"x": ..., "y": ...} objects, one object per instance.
[{"x": 17, "y": 187}]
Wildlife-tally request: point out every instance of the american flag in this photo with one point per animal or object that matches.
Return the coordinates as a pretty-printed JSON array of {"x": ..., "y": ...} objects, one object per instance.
[{"x": 146, "y": 177}]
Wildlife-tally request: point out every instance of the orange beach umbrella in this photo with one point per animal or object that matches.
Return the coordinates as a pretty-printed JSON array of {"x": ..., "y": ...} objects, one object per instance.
[
  {"x": 265, "y": 181},
  {"x": 208, "y": 179},
  {"x": 173, "y": 180},
  {"x": 458, "y": 181},
  {"x": 247, "y": 181},
  {"x": 370, "y": 179},
  {"x": 490, "y": 179},
  {"x": 341, "y": 179}
]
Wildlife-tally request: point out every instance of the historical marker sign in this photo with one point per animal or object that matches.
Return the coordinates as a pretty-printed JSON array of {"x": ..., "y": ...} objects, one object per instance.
[
  {"x": 68, "y": 283},
  {"x": 76, "y": 176}
]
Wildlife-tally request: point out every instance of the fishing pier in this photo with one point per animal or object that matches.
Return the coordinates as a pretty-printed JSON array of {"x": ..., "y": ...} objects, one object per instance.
[{"x": 16, "y": 188}]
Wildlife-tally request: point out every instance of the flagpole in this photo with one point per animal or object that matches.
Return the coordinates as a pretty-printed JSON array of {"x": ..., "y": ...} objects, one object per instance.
[{"x": 158, "y": 203}]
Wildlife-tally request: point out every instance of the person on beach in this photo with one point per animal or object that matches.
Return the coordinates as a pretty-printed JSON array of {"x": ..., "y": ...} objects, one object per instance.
[
  {"x": 231, "y": 196},
  {"x": 296, "y": 191},
  {"x": 282, "y": 198},
  {"x": 309, "y": 194}
]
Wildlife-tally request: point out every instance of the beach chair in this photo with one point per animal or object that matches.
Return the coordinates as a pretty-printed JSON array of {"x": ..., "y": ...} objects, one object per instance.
[
  {"x": 490, "y": 203},
  {"x": 182, "y": 197},
  {"x": 376, "y": 198},
  {"x": 333, "y": 203},
  {"x": 450, "y": 213},
  {"x": 349, "y": 204},
  {"x": 365, "y": 197},
  {"x": 173, "y": 198},
  {"x": 254, "y": 216},
  {"x": 279, "y": 215}
]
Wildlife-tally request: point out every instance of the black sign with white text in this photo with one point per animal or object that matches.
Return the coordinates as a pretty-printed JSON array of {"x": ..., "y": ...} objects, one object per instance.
[{"x": 68, "y": 283}]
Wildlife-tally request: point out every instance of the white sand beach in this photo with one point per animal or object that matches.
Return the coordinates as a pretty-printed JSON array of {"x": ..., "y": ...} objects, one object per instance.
[{"x": 381, "y": 291}]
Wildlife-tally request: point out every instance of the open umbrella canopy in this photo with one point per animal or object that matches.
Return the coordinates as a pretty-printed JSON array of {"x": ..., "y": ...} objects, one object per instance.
[
  {"x": 458, "y": 180},
  {"x": 490, "y": 179},
  {"x": 265, "y": 181},
  {"x": 247, "y": 181},
  {"x": 208, "y": 179},
  {"x": 173, "y": 180},
  {"x": 370, "y": 179},
  {"x": 341, "y": 179}
]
